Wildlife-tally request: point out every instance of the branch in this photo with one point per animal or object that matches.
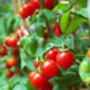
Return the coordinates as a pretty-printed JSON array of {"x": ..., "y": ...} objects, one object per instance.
[{"x": 14, "y": 6}]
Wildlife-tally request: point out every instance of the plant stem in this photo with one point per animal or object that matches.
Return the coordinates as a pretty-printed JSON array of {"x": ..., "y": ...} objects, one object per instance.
[{"x": 14, "y": 6}]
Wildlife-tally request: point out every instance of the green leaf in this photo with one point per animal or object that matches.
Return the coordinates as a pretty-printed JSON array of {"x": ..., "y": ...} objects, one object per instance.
[
  {"x": 61, "y": 6},
  {"x": 20, "y": 87},
  {"x": 39, "y": 27},
  {"x": 56, "y": 2},
  {"x": 48, "y": 15},
  {"x": 74, "y": 25},
  {"x": 29, "y": 86},
  {"x": 82, "y": 12},
  {"x": 64, "y": 21},
  {"x": 32, "y": 45},
  {"x": 82, "y": 3},
  {"x": 24, "y": 58}
]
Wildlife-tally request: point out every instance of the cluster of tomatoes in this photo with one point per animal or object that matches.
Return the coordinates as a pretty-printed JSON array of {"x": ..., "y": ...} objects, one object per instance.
[
  {"x": 50, "y": 68},
  {"x": 11, "y": 48},
  {"x": 29, "y": 8}
]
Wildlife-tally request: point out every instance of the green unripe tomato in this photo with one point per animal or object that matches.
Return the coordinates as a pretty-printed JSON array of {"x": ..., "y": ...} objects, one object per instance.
[{"x": 85, "y": 66}]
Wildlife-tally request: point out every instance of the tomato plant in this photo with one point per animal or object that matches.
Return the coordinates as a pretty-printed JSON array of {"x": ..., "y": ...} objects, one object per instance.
[{"x": 44, "y": 45}]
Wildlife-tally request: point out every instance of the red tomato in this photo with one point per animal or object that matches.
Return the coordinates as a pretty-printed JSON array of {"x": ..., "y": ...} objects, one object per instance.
[
  {"x": 57, "y": 29},
  {"x": 19, "y": 33},
  {"x": 22, "y": 14},
  {"x": 36, "y": 63},
  {"x": 35, "y": 3},
  {"x": 7, "y": 66},
  {"x": 17, "y": 71},
  {"x": 11, "y": 41},
  {"x": 49, "y": 68},
  {"x": 28, "y": 9},
  {"x": 9, "y": 74},
  {"x": 49, "y": 4},
  {"x": 65, "y": 59},
  {"x": 3, "y": 50},
  {"x": 47, "y": 86},
  {"x": 37, "y": 79},
  {"x": 52, "y": 54},
  {"x": 45, "y": 35},
  {"x": 15, "y": 51},
  {"x": 12, "y": 62}
]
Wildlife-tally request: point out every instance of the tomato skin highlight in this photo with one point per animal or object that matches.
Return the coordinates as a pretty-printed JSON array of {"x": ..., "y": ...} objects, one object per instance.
[
  {"x": 47, "y": 86},
  {"x": 36, "y": 63},
  {"x": 11, "y": 41},
  {"x": 35, "y": 3},
  {"x": 65, "y": 59},
  {"x": 12, "y": 62},
  {"x": 49, "y": 68},
  {"x": 9, "y": 74},
  {"x": 37, "y": 79},
  {"x": 57, "y": 30},
  {"x": 3, "y": 50},
  {"x": 51, "y": 54},
  {"x": 49, "y": 4}
]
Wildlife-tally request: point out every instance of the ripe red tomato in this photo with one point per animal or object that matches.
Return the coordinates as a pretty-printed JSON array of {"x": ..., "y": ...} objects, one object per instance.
[
  {"x": 37, "y": 79},
  {"x": 26, "y": 10},
  {"x": 57, "y": 29},
  {"x": 45, "y": 35},
  {"x": 49, "y": 68},
  {"x": 11, "y": 41},
  {"x": 15, "y": 51},
  {"x": 19, "y": 33},
  {"x": 35, "y": 3},
  {"x": 49, "y": 4},
  {"x": 12, "y": 62},
  {"x": 65, "y": 59},
  {"x": 52, "y": 54},
  {"x": 9, "y": 74},
  {"x": 36, "y": 63},
  {"x": 3, "y": 50},
  {"x": 7, "y": 66},
  {"x": 17, "y": 71},
  {"x": 22, "y": 14},
  {"x": 47, "y": 86}
]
